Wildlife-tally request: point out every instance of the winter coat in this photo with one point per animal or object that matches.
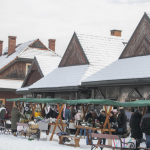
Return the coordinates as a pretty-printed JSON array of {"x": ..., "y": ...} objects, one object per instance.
[
  {"x": 89, "y": 115},
  {"x": 102, "y": 118},
  {"x": 15, "y": 116},
  {"x": 136, "y": 131},
  {"x": 112, "y": 119},
  {"x": 78, "y": 116},
  {"x": 2, "y": 113},
  {"x": 7, "y": 114},
  {"x": 122, "y": 121},
  {"x": 145, "y": 123},
  {"x": 67, "y": 114}
]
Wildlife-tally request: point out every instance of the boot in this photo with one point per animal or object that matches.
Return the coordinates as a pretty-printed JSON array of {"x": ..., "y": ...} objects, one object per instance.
[{"x": 14, "y": 134}]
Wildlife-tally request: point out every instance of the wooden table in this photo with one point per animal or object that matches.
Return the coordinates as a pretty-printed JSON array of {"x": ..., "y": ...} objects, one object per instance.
[
  {"x": 47, "y": 132},
  {"x": 90, "y": 128}
]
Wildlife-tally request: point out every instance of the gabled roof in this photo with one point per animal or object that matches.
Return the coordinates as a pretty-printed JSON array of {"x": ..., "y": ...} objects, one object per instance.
[
  {"x": 23, "y": 50},
  {"x": 139, "y": 43},
  {"x": 100, "y": 52},
  {"x": 10, "y": 84},
  {"x": 122, "y": 69},
  {"x": 45, "y": 64}
]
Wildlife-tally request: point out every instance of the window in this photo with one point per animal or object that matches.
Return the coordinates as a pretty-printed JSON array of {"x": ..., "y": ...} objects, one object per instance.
[
  {"x": 2, "y": 101},
  {"x": 27, "y": 67}
]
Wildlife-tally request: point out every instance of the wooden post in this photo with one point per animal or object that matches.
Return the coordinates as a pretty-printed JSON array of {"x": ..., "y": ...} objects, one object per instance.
[
  {"x": 144, "y": 111},
  {"x": 84, "y": 110},
  {"x": 60, "y": 118},
  {"x": 57, "y": 122},
  {"x": 106, "y": 122}
]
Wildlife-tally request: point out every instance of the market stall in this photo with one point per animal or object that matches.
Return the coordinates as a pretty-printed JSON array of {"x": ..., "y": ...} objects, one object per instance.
[
  {"x": 44, "y": 101},
  {"x": 105, "y": 102}
]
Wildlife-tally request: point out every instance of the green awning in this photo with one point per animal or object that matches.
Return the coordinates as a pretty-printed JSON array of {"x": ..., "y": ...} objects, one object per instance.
[
  {"x": 18, "y": 99},
  {"x": 93, "y": 101},
  {"x": 41, "y": 100},
  {"x": 48, "y": 100},
  {"x": 107, "y": 102},
  {"x": 138, "y": 103}
]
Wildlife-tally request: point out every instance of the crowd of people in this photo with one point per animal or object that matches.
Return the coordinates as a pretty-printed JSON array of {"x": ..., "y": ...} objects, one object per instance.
[{"x": 138, "y": 124}]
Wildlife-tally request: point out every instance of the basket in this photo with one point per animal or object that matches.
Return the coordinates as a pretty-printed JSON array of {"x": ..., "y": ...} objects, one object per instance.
[{"x": 8, "y": 126}]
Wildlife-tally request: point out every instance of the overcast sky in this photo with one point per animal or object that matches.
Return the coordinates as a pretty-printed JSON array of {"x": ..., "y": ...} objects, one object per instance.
[{"x": 58, "y": 19}]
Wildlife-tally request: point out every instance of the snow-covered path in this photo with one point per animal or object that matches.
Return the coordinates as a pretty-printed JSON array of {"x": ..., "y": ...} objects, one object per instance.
[{"x": 10, "y": 142}]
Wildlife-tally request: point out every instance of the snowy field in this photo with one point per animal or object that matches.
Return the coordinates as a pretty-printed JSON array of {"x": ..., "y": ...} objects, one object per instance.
[{"x": 10, "y": 142}]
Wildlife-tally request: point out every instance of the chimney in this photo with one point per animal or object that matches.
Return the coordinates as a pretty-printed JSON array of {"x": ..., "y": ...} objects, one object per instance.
[
  {"x": 115, "y": 32},
  {"x": 1, "y": 47},
  {"x": 11, "y": 44},
  {"x": 51, "y": 44}
]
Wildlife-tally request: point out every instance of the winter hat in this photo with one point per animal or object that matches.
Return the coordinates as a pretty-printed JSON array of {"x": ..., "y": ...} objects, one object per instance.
[
  {"x": 102, "y": 110},
  {"x": 79, "y": 111},
  {"x": 132, "y": 110},
  {"x": 92, "y": 109},
  {"x": 112, "y": 112}
]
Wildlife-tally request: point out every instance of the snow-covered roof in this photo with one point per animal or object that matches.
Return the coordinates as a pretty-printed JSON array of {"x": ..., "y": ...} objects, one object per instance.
[
  {"x": 10, "y": 84},
  {"x": 100, "y": 52},
  {"x": 23, "y": 51},
  {"x": 22, "y": 89},
  {"x": 5, "y": 59},
  {"x": 47, "y": 63},
  {"x": 148, "y": 14},
  {"x": 128, "y": 68},
  {"x": 63, "y": 76}
]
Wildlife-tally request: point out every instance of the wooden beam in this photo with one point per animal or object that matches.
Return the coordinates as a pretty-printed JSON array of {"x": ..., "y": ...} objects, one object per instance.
[
  {"x": 61, "y": 122},
  {"x": 57, "y": 122},
  {"x": 144, "y": 111}
]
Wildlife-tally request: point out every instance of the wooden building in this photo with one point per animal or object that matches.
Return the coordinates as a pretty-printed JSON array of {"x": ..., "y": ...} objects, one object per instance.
[
  {"x": 85, "y": 55},
  {"x": 15, "y": 61},
  {"x": 128, "y": 78},
  {"x": 40, "y": 67}
]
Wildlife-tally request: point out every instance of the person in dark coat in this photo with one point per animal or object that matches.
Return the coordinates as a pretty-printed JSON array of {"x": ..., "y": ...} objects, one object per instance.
[
  {"x": 15, "y": 116},
  {"x": 136, "y": 131},
  {"x": 2, "y": 112},
  {"x": 112, "y": 118},
  {"x": 145, "y": 126},
  {"x": 122, "y": 122},
  {"x": 102, "y": 116},
  {"x": 89, "y": 114}
]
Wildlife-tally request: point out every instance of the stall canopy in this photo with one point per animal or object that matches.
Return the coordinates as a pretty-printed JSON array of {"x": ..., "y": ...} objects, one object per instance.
[
  {"x": 41, "y": 100},
  {"x": 94, "y": 101},
  {"x": 138, "y": 103}
]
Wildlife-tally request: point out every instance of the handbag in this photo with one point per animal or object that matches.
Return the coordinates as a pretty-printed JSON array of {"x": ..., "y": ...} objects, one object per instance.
[{"x": 120, "y": 129}]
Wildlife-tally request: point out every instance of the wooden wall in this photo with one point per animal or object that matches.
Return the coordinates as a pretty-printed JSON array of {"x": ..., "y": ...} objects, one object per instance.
[
  {"x": 33, "y": 76},
  {"x": 8, "y": 95},
  {"x": 17, "y": 70}
]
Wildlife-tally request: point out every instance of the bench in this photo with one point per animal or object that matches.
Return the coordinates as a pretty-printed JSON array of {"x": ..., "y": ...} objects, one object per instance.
[
  {"x": 30, "y": 132},
  {"x": 109, "y": 136},
  {"x": 76, "y": 140}
]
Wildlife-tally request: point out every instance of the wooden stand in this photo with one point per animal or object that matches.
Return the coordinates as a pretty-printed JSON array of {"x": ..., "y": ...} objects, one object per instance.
[{"x": 59, "y": 117}]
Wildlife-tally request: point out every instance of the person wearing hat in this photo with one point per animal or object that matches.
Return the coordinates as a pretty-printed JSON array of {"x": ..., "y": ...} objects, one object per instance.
[
  {"x": 89, "y": 114},
  {"x": 122, "y": 122},
  {"x": 145, "y": 126},
  {"x": 15, "y": 117},
  {"x": 136, "y": 131},
  {"x": 102, "y": 116}
]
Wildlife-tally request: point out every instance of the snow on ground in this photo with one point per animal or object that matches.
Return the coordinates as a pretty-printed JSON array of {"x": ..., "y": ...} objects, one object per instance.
[{"x": 10, "y": 142}]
